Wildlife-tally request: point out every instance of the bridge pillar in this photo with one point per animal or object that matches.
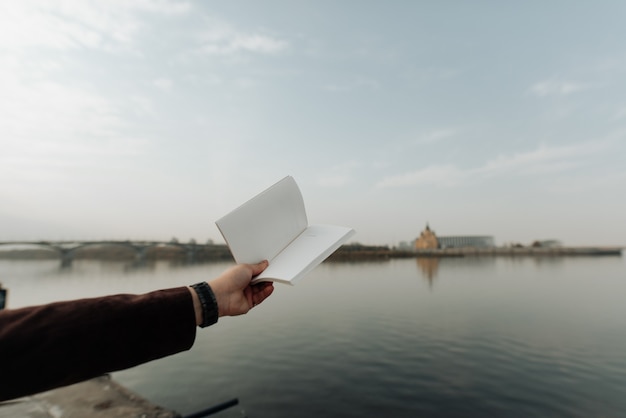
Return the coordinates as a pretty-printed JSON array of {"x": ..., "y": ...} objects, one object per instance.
[
  {"x": 191, "y": 253},
  {"x": 140, "y": 254},
  {"x": 67, "y": 256}
]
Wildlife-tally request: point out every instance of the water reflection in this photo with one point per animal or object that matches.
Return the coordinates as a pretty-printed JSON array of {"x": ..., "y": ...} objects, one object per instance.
[
  {"x": 428, "y": 266},
  {"x": 548, "y": 261}
]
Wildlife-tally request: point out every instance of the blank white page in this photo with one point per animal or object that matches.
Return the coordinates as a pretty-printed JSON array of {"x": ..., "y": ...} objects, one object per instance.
[
  {"x": 264, "y": 225},
  {"x": 311, "y": 247}
]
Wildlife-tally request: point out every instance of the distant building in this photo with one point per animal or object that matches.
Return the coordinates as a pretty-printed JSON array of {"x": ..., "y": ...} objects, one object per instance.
[
  {"x": 466, "y": 241},
  {"x": 426, "y": 240},
  {"x": 547, "y": 243},
  {"x": 429, "y": 240},
  {"x": 404, "y": 246}
]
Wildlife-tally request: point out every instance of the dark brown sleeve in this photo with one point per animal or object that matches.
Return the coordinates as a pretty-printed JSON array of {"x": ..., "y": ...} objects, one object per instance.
[{"x": 53, "y": 345}]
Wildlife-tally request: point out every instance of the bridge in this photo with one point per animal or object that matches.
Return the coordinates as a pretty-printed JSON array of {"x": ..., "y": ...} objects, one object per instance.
[{"x": 67, "y": 249}]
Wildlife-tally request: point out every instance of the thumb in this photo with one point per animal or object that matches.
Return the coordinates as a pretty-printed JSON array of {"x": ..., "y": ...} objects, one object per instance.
[{"x": 259, "y": 267}]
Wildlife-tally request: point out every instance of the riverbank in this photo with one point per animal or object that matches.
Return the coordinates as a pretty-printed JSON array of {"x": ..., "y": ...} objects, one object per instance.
[
  {"x": 350, "y": 252},
  {"x": 100, "y": 397},
  {"x": 521, "y": 251},
  {"x": 122, "y": 251},
  {"x": 363, "y": 253}
]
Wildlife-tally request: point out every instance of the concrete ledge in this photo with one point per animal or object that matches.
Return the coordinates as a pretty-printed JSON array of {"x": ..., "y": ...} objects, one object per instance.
[{"x": 100, "y": 397}]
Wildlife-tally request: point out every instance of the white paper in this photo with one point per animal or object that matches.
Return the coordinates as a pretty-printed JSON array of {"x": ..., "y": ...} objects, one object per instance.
[
  {"x": 304, "y": 253},
  {"x": 273, "y": 226}
]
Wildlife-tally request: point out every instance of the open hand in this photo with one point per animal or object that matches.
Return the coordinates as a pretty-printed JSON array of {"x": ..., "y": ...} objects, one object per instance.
[{"x": 233, "y": 291}]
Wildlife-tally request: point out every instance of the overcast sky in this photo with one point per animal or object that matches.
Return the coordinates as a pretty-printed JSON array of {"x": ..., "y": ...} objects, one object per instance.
[{"x": 151, "y": 119}]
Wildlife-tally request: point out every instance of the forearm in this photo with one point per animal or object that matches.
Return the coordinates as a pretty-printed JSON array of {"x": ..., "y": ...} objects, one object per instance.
[
  {"x": 66, "y": 342},
  {"x": 53, "y": 345}
]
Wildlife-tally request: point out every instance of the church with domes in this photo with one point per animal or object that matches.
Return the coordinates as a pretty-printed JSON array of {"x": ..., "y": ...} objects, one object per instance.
[{"x": 428, "y": 240}]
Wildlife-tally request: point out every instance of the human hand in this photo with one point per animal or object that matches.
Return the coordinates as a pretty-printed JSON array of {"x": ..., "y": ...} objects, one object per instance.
[{"x": 233, "y": 291}]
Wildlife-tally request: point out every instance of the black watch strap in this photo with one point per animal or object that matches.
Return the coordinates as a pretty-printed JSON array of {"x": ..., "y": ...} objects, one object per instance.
[{"x": 208, "y": 303}]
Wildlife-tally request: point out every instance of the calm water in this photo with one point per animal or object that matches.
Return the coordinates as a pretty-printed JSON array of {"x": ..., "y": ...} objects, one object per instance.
[{"x": 452, "y": 337}]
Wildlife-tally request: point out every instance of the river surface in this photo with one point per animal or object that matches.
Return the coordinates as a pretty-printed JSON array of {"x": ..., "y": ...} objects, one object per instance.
[{"x": 454, "y": 337}]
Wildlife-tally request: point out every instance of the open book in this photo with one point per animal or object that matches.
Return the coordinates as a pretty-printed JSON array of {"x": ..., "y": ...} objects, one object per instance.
[{"x": 273, "y": 226}]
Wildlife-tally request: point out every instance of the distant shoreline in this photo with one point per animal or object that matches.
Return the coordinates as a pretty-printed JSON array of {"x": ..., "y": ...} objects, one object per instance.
[
  {"x": 344, "y": 253},
  {"x": 526, "y": 251},
  {"x": 351, "y": 252},
  {"x": 200, "y": 253}
]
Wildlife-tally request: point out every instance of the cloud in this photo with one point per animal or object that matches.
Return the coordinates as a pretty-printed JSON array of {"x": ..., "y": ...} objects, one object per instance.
[
  {"x": 335, "y": 181},
  {"x": 74, "y": 24},
  {"x": 357, "y": 84},
  {"x": 223, "y": 39},
  {"x": 542, "y": 160},
  {"x": 49, "y": 130},
  {"x": 163, "y": 84},
  {"x": 141, "y": 105},
  {"x": 620, "y": 113},
  {"x": 557, "y": 88},
  {"x": 436, "y": 135},
  {"x": 436, "y": 175},
  {"x": 339, "y": 176}
]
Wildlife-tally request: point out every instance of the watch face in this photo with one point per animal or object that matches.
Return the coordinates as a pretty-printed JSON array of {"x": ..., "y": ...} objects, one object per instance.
[{"x": 208, "y": 302}]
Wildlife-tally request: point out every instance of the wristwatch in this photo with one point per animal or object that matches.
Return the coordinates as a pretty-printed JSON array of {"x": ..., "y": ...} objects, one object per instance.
[{"x": 208, "y": 303}]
